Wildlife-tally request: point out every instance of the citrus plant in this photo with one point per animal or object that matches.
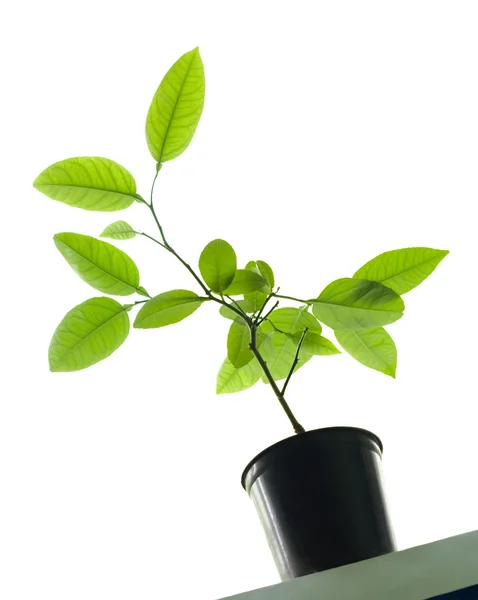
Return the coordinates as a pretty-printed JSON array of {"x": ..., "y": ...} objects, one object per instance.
[{"x": 264, "y": 341}]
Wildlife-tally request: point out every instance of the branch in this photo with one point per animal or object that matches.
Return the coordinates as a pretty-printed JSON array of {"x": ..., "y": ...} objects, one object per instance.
[
  {"x": 152, "y": 238},
  {"x": 268, "y": 313},
  {"x": 243, "y": 312},
  {"x": 295, "y": 361},
  {"x": 280, "y": 395},
  {"x": 296, "y": 299}
]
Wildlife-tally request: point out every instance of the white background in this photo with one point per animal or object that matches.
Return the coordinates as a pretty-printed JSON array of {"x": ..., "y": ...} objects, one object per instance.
[{"x": 332, "y": 131}]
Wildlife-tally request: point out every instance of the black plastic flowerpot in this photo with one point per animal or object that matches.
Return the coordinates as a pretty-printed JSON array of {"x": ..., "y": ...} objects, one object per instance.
[{"x": 319, "y": 496}]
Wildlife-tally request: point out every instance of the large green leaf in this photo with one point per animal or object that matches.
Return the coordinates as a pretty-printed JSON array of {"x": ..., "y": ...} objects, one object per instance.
[
  {"x": 87, "y": 334},
  {"x": 244, "y": 281},
  {"x": 402, "y": 270},
  {"x": 100, "y": 264},
  {"x": 357, "y": 304},
  {"x": 313, "y": 343},
  {"x": 119, "y": 230},
  {"x": 279, "y": 353},
  {"x": 88, "y": 182},
  {"x": 230, "y": 380},
  {"x": 290, "y": 320},
  {"x": 176, "y": 108},
  {"x": 167, "y": 308},
  {"x": 217, "y": 265},
  {"x": 373, "y": 348},
  {"x": 226, "y": 312}
]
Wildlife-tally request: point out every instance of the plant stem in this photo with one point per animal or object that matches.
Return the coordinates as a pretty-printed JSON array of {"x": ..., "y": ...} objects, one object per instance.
[
  {"x": 296, "y": 299},
  {"x": 295, "y": 361},
  {"x": 252, "y": 326},
  {"x": 151, "y": 207},
  {"x": 151, "y": 238},
  {"x": 264, "y": 305},
  {"x": 238, "y": 306},
  {"x": 266, "y": 315},
  {"x": 280, "y": 395},
  {"x": 170, "y": 249}
]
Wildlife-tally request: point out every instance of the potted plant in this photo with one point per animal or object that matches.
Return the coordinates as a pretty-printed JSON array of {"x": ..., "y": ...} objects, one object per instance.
[{"x": 318, "y": 493}]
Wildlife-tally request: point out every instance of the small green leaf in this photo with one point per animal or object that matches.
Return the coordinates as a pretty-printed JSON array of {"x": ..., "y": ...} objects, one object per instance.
[
  {"x": 217, "y": 265},
  {"x": 100, "y": 264},
  {"x": 357, "y": 304},
  {"x": 313, "y": 343},
  {"x": 402, "y": 270},
  {"x": 238, "y": 341},
  {"x": 226, "y": 312},
  {"x": 119, "y": 230},
  {"x": 244, "y": 281},
  {"x": 290, "y": 320},
  {"x": 88, "y": 182},
  {"x": 167, "y": 308},
  {"x": 87, "y": 334},
  {"x": 373, "y": 348},
  {"x": 257, "y": 298},
  {"x": 142, "y": 291},
  {"x": 279, "y": 353},
  {"x": 266, "y": 273},
  {"x": 230, "y": 380},
  {"x": 176, "y": 108}
]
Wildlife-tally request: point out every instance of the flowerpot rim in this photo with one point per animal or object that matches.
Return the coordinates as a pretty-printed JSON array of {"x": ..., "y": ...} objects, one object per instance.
[{"x": 294, "y": 440}]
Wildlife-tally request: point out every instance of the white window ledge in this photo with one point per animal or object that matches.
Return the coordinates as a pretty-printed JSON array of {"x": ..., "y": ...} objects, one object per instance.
[{"x": 437, "y": 570}]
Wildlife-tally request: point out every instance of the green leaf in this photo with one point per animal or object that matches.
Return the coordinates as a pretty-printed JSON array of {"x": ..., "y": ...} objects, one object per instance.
[
  {"x": 238, "y": 341},
  {"x": 357, "y": 304},
  {"x": 88, "y": 182},
  {"x": 217, "y": 265},
  {"x": 373, "y": 348},
  {"x": 167, "y": 308},
  {"x": 290, "y": 320},
  {"x": 244, "y": 281},
  {"x": 176, "y": 108},
  {"x": 256, "y": 300},
  {"x": 266, "y": 273},
  {"x": 87, "y": 334},
  {"x": 279, "y": 353},
  {"x": 142, "y": 291},
  {"x": 258, "y": 297},
  {"x": 402, "y": 270},
  {"x": 313, "y": 343},
  {"x": 100, "y": 264},
  {"x": 119, "y": 230},
  {"x": 226, "y": 312},
  {"x": 230, "y": 380}
]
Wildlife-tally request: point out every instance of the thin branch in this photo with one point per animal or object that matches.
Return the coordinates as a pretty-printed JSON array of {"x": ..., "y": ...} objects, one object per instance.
[
  {"x": 295, "y": 361},
  {"x": 296, "y": 299},
  {"x": 152, "y": 238},
  {"x": 243, "y": 312},
  {"x": 265, "y": 302},
  {"x": 267, "y": 314}
]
